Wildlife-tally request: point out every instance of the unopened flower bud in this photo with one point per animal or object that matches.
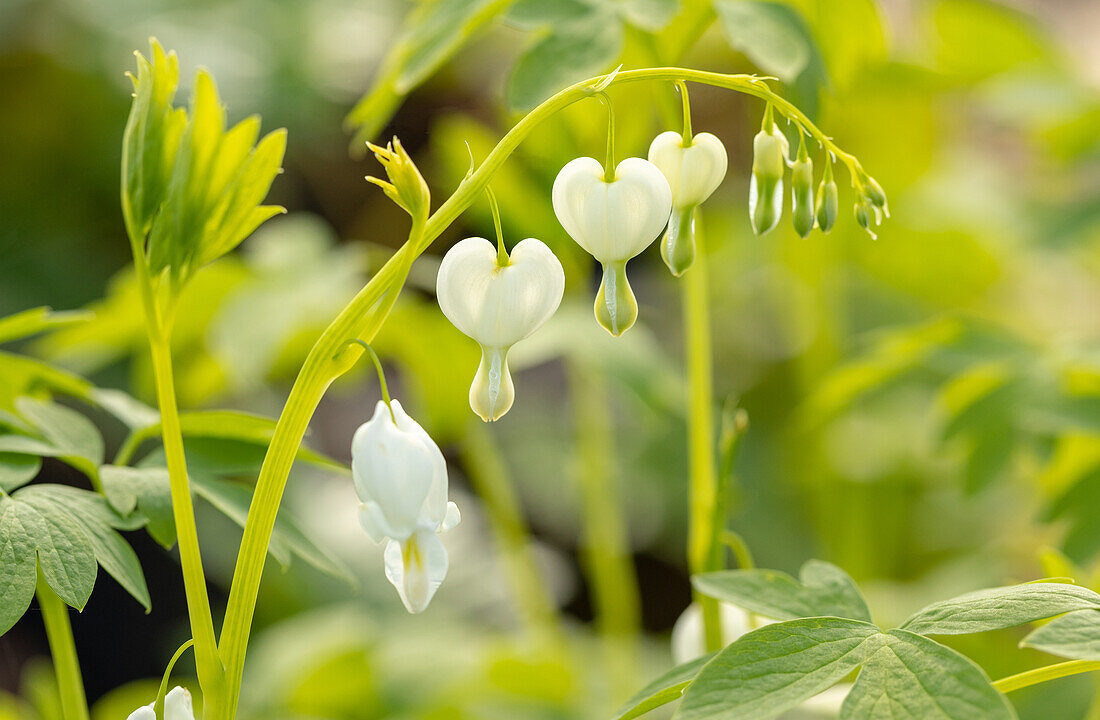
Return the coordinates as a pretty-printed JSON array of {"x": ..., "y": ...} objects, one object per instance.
[
  {"x": 828, "y": 200},
  {"x": 769, "y": 163},
  {"x": 613, "y": 220},
  {"x": 693, "y": 173},
  {"x": 406, "y": 186},
  {"x": 177, "y": 706},
  {"x": 802, "y": 192},
  {"x": 498, "y": 306},
  {"x": 863, "y": 212}
]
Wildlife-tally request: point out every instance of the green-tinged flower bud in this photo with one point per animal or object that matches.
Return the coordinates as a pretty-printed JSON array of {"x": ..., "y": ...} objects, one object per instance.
[
  {"x": 406, "y": 186},
  {"x": 802, "y": 191},
  {"x": 828, "y": 201},
  {"x": 769, "y": 163},
  {"x": 863, "y": 210},
  {"x": 615, "y": 306}
]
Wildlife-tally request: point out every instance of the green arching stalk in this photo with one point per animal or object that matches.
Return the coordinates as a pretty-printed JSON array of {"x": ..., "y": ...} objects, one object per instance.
[
  {"x": 364, "y": 315},
  {"x": 703, "y": 498},
  {"x": 158, "y": 706},
  {"x": 59, "y": 633},
  {"x": 488, "y": 474},
  {"x": 1044, "y": 674},
  {"x": 605, "y": 548}
]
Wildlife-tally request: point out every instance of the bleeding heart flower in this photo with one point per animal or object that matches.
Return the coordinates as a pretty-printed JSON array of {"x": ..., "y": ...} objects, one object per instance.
[
  {"x": 613, "y": 220},
  {"x": 693, "y": 173},
  {"x": 401, "y": 478},
  {"x": 498, "y": 306},
  {"x": 177, "y": 706}
]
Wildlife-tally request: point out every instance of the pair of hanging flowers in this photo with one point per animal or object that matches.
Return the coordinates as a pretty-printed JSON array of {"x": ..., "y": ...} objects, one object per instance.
[{"x": 614, "y": 211}]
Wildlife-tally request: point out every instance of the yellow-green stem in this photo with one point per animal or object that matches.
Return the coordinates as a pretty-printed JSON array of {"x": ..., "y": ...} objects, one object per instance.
[
  {"x": 703, "y": 481},
  {"x": 321, "y": 367},
  {"x": 59, "y": 633},
  {"x": 488, "y": 474},
  {"x": 605, "y": 546},
  {"x": 1044, "y": 674}
]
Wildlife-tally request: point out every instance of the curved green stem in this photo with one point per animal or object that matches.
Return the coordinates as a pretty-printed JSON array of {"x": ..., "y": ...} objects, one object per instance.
[
  {"x": 609, "y": 160},
  {"x": 364, "y": 315},
  {"x": 385, "y": 388},
  {"x": 1043, "y": 674},
  {"x": 489, "y": 476},
  {"x": 158, "y": 706},
  {"x": 686, "y": 134},
  {"x": 59, "y": 633}
]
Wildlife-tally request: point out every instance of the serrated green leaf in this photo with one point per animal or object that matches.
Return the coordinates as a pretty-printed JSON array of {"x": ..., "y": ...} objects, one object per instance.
[
  {"x": 1075, "y": 635},
  {"x": 18, "y": 563},
  {"x": 17, "y": 470},
  {"x": 146, "y": 490},
  {"x": 97, "y": 520},
  {"x": 569, "y": 54},
  {"x": 823, "y": 590},
  {"x": 64, "y": 428},
  {"x": 36, "y": 320},
  {"x": 909, "y": 677},
  {"x": 998, "y": 608},
  {"x": 772, "y": 35},
  {"x": 665, "y": 689},
  {"x": 775, "y": 668}
]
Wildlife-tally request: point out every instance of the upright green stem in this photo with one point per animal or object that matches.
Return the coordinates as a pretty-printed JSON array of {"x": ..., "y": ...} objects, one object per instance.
[
  {"x": 488, "y": 474},
  {"x": 1043, "y": 674},
  {"x": 703, "y": 481},
  {"x": 605, "y": 546},
  {"x": 59, "y": 633}
]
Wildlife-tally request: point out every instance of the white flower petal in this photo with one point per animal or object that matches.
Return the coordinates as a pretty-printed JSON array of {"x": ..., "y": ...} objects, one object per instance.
[
  {"x": 177, "y": 705},
  {"x": 452, "y": 518},
  {"x": 694, "y": 172},
  {"x": 416, "y": 568},
  {"x": 145, "y": 712}
]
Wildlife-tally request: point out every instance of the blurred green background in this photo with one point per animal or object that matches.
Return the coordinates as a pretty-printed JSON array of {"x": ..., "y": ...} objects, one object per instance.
[{"x": 925, "y": 408}]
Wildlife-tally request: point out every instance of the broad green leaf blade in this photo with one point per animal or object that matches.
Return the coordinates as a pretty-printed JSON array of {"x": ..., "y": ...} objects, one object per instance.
[
  {"x": 36, "y": 320},
  {"x": 66, "y": 429},
  {"x": 777, "y": 667},
  {"x": 770, "y": 34},
  {"x": 28, "y": 376},
  {"x": 1075, "y": 636},
  {"x": 535, "y": 14},
  {"x": 650, "y": 15},
  {"x": 23, "y": 445},
  {"x": 910, "y": 677},
  {"x": 65, "y": 553},
  {"x": 823, "y": 590},
  {"x": 571, "y": 53},
  {"x": 18, "y": 563},
  {"x": 17, "y": 470},
  {"x": 147, "y": 490},
  {"x": 1001, "y": 607},
  {"x": 132, "y": 412},
  {"x": 91, "y": 512},
  {"x": 665, "y": 689}
]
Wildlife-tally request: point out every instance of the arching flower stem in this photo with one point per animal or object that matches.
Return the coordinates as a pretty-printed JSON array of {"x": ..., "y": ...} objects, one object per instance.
[
  {"x": 682, "y": 87},
  {"x": 381, "y": 374}
]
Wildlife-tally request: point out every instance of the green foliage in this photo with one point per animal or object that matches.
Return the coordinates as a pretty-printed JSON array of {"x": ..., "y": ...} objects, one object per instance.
[
  {"x": 1075, "y": 635},
  {"x": 37, "y": 320},
  {"x": 998, "y": 608},
  {"x": 663, "y": 690},
  {"x": 193, "y": 187},
  {"x": 770, "y": 34},
  {"x": 822, "y": 590}
]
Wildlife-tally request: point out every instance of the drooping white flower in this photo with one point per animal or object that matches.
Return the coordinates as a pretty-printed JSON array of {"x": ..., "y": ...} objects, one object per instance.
[
  {"x": 693, "y": 173},
  {"x": 613, "y": 220},
  {"x": 177, "y": 706},
  {"x": 498, "y": 306},
  {"x": 688, "y": 643},
  {"x": 401, "y": 478}
]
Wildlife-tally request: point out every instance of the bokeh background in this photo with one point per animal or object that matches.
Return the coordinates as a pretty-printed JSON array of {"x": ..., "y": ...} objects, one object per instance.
[{"x": 925, "y": 408}]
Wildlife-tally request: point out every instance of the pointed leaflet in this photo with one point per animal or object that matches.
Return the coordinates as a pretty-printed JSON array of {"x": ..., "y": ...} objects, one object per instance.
[
  {"x": 1075, "y": 636},
  {"x": 1001, "y": 607},
  {"x": 17, "y": 561},
  {"x": 822, "y": 590},
  {"x": 17, "y": 470},
  {"x": 66, "y": 429},
  {"x": 36, "y": 320},
  {"x": 145, "y": 489},
  {"x": 777, "y": 667},
  {"x": 663, "y": 690},
  {"x": 909, "y": 677}
]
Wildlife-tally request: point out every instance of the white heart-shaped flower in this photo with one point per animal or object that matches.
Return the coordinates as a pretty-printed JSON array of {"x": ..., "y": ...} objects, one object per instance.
[
  {"x": 693, "y": 172},
  {"x": 613, "y": 220},
  {"x": 177, "y": 706},
  {"x": 498, "y": 306}
]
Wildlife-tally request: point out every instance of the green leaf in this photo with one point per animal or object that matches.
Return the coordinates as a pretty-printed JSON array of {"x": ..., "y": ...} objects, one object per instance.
[
  {"x": 1075, "y": 635},
  {"x": 823, "y": 590},
  {"x": 36, "y": 320},
  {"x": 433, "y": 33},
  {"x": 18, "y": 562},
  {"x": 772, "y": 35},
  {"x": 27, "y": 376},
  {"x": 66, "y": 429},
  {"x": 534, "y": 14},
  {"x": 1001, "y": 607},
  {"x": 132, "y": 412},
  {"x": 775, "y": 668},
  {"x": 663, "y": 690},
  {"x": 17, "y": 470},
  {"x": 146, "y": 490},
  {"x": 98, "y": 522},
  {"x": 569, "y": 54},
  {"x": 650, "y": 15},
  {"x": 911, "y": 677}
]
